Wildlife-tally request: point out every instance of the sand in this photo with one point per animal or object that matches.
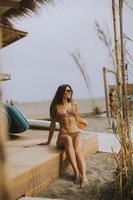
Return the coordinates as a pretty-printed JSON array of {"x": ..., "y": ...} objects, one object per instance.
[{"x": 100, "y": 175}]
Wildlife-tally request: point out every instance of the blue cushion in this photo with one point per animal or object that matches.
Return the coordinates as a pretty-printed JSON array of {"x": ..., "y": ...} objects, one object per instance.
[
  {"x": 18, "y": 123},
  {"x": 130, "y": 99}
]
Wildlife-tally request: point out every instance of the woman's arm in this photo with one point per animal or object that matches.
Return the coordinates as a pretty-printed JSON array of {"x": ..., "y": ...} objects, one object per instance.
[{"x": 51, "y": 132}]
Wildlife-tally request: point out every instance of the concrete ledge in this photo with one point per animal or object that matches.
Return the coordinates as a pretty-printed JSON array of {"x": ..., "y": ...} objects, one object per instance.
[{"x": 34, "y": 167}]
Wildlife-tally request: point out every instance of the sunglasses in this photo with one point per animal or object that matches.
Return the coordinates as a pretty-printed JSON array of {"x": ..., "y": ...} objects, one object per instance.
[{"x": 69, "y": 91}]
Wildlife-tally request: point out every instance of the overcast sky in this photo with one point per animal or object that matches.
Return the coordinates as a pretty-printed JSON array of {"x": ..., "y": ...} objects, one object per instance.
[{"x": 40, "y": 62}]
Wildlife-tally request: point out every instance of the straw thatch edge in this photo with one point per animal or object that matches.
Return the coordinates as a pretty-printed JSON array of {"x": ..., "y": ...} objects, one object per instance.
[{"x": 26, "y": 7}]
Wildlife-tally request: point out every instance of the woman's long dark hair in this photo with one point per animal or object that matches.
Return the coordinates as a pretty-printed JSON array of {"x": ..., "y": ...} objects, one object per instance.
[{"x": 58, "y": 99}]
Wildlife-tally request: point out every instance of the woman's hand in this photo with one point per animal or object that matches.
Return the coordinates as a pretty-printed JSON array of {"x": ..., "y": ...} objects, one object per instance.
[
  {"x": 44, "y": 143},
  {"x": 51, "y": 131}
]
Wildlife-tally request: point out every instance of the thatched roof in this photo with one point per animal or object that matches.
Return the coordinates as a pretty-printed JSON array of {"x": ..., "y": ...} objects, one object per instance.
[
  {"x": 16, "y": 8},
  {"x": 10, "y": 35},
  {"x": 25, "y": 7}
]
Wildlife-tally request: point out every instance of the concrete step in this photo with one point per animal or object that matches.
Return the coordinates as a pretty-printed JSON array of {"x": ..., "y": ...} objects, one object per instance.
[{"x": 34, "y": 166}]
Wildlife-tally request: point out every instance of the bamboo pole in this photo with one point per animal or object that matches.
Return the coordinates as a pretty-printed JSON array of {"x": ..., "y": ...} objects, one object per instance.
[
  {"x": 116, "y": 48},
  {"x": 5, "y": 193},
  {"x": 123, "y": 65},
  {"x": 124, "y": 158}
]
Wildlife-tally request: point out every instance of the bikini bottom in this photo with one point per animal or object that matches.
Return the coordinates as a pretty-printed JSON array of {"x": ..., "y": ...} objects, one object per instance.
[{"x": 60, "y": 143}]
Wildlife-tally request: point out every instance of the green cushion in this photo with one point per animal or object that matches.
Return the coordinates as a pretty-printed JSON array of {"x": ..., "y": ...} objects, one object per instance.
[
  {"x": 18, "y": 123},
  {"x": 130, "y": 99}
]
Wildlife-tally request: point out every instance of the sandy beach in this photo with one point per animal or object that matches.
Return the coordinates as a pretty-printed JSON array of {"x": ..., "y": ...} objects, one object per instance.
[{"x": 99, "y": 172}]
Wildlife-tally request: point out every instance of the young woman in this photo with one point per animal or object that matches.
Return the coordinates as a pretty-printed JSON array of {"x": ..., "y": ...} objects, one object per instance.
[{"x": 64, "y": 110}]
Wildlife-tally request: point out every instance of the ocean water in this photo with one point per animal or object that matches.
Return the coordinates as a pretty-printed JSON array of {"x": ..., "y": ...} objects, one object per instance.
[{"x": 41, "y": 109}]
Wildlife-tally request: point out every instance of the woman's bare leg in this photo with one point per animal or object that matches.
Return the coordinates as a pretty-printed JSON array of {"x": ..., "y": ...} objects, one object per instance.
[
  {"x": 77, "y": 142},
  {"x": 66, "y": 140}
]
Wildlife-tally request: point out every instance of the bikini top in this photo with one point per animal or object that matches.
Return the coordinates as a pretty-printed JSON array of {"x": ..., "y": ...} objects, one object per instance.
[
  {"x": 61, "y": 115},
  {"x": 67, "y": 114}
]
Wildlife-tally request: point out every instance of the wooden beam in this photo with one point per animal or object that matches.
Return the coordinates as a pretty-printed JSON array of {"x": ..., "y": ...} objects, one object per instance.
[
  {"x": 110, "y": 70},
  {"x": 9, "y": 4},
  {"x": 106, "y": 90}
]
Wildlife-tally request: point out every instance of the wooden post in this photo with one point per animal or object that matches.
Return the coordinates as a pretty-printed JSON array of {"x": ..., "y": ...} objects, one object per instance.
[
  {"x": 106, "y": 89},
  {"x": 5, "y": 193}
]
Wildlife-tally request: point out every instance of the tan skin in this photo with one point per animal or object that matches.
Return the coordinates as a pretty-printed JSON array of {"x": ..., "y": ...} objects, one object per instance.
[{"x": 69, "y": 137}]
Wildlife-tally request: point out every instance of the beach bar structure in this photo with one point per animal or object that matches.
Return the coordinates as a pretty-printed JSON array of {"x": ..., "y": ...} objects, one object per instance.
[
  {"x": 129, "y": 93},
  {"x": 107, "y": 93},
  {"x": 108, "y": 88}
]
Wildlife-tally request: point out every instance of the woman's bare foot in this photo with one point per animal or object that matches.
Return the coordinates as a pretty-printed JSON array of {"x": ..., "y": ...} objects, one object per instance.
[
  {"x": 84, "y": 182},
  {"x": 77, "y": 178}
]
